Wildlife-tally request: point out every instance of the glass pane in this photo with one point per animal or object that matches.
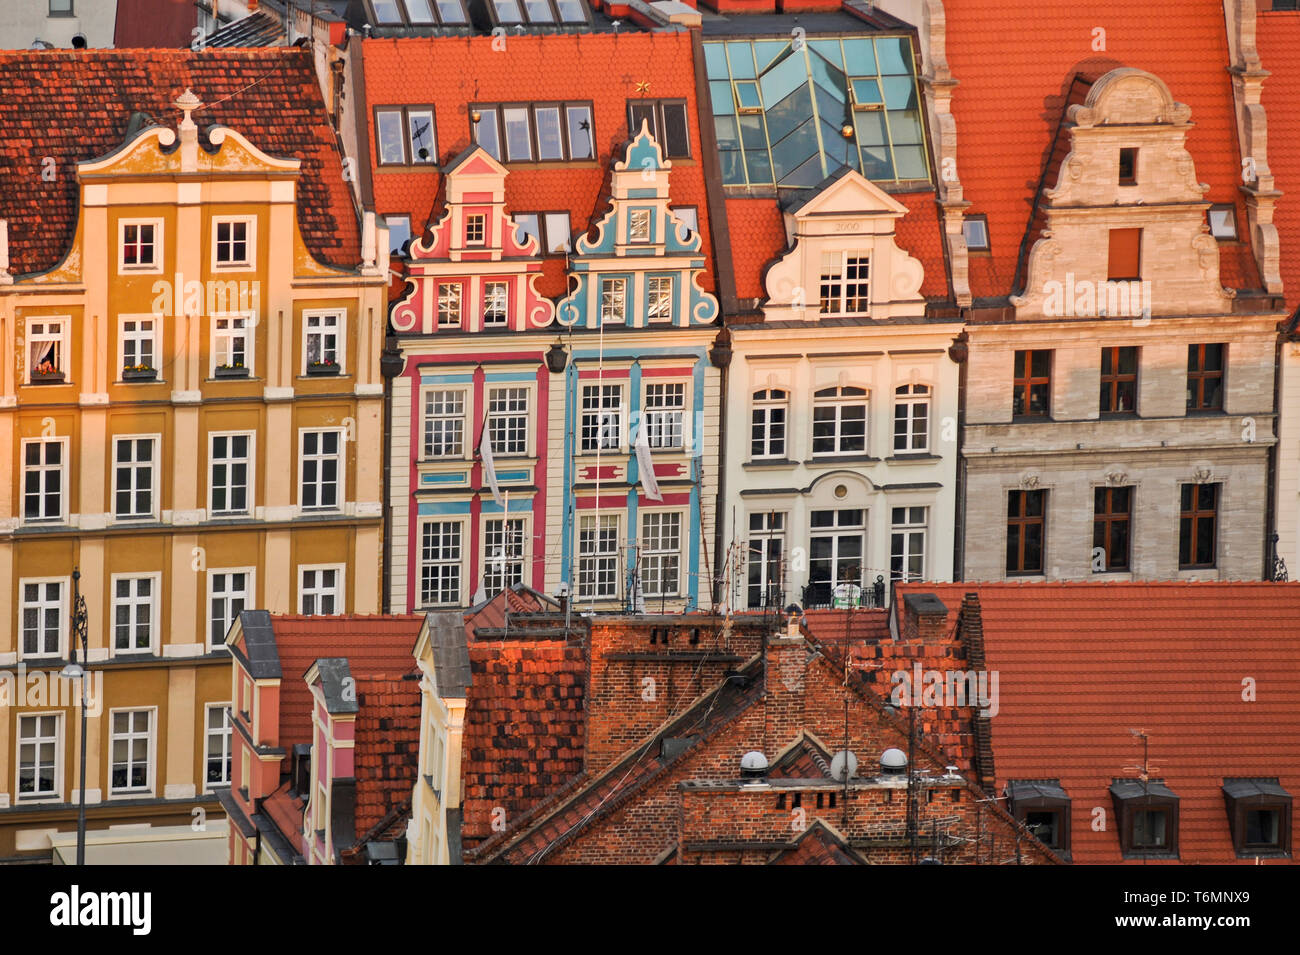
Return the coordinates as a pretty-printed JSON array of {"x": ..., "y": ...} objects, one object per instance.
[
  {"x": 828, "y": 50},
  {"x": 899, "y": 91},
  {"x": 451, "y": 11},
  {"x": 747, "y": 95},
  {"x": 389, "y": 134},
  {"x": 859, "y": 58},
  {"x": 715, "y": 62},
  {"x": 387, "y": 11},
  {"x": 548, "y": 133},
  {"x": 421, "y": 127},
  {"x": 904, "y": 127},
  {"x": 894, "y": 54},
  {"x": 518, "y": 144},
  {"x": 557, "y": 231},
  {"x": 508, "y": 11},
  {"x": 418, "y": 11},
  {"x": 539, "y": 11},
  {"x": 741, "y": 56},
  {"x": 485, "y": 132},
  {"x": 794, "y": 150},
  {"x": 580, "y": 141},
  {"x": 571, "y": 11}
]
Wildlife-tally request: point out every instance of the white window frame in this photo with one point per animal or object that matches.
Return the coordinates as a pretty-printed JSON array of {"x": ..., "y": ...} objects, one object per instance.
[
  {"x": 655, "y": 419},
  {"x": 839, "y": 281},
  {"x": 505, "y": 298},
  {"x": 639, "y": 224},
  {"x": 340, "y": 317},
  {"x": 138, "y": 336},
  {"x": 153, "y": 601},
  {"x": 340, "y": 588},
  {"x": 598, "y": 517},
  {"x": 247, "y": 333},
  {"x": 660, "y": 555},
  {"x": 521, "y": 558},
  {"x": 764, "y": 407},
  {"x": 226, "y": 737},
  {"x": 906, "y": 530},
  {"x": 341, "y": 457},
  {"x": 427, "y": 418},
  {"x": 462, "y": 549},
  {"x": 655, "y": 301},
  {"x": 153, "y": 268},
  {"x": 248, "y": 595},
  {"x": 774, "y": 525},
  {"x": 607, "y": 315},
  {"x": 59, "y": 338},
  {"x": 55, "y": 794},
  {"x": 250, "y": 460},
  {"x": 249, "y": 262},
  {"x": 155, "y": 488},
  {"x": 479, "y": 219},
  {"x": 151, "y": 759},
  {"x": 839, "y": 402},
  {"x": 65, "y": 588},
  {"x": 491, "y": 389},
  {"x": 446, "y": 301},
  {"x": 603, "y": 416},
  {"x": 912, "y": 400},
  {"x": 63, "y": 470}
]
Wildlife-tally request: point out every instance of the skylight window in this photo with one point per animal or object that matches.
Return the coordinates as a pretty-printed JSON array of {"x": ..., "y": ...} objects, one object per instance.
[
  {"x": 540, "y": 12},
  {"x": 418, "y": 13}
]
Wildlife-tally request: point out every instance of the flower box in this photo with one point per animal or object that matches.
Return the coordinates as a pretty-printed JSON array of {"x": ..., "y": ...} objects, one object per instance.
[
  {"x": 325, "y": 369},
  {"x": 231, "y": 371},
  {"x": 47, "y": 377},
  {"x": 139, "y": 374}
]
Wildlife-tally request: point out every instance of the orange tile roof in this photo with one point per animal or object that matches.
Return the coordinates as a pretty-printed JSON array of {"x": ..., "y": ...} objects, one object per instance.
[
  {"x": 757, "y": 231},
  {"x": 1278, "y": 37},
  {"x": 387, "y": 749},
  {"x": 75, "y": 106},
  {"x": 1010, "y": 94},
  {"x": 1081, "y": 665},
  {"x": 604, "y": 68}
]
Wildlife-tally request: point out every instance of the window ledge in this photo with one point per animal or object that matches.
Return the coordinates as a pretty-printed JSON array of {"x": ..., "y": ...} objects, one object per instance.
[
  {"x": 770, "y": 463},
  {"x": 829, "y": 460},
  {"x": 1153, "y": 854},
  {"x": 1206, "y": 413},
  {"x": 1263, "y": 854},
  {"x": 923, "y": 458},
  {"x": 1032, "y": 419}
]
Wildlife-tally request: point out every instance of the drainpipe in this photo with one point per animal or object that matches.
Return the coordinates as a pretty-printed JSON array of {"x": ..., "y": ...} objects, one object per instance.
[
  {"x": 959, "y": 352},
  {"x": 391, "y": 364},
  {"x": 720, "y": 357}
]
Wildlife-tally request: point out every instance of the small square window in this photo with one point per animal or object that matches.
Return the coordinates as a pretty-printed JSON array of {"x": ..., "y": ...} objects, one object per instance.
[
  {"x": 1128, "y": 164},
  {"x": 475, "y": 229},
  {"x": 1223, "y": 222},
  {"x": 975, "y": 230}
]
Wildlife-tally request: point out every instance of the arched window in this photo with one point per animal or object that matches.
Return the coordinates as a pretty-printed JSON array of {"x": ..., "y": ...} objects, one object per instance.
[{"x": 912, "y": 419}]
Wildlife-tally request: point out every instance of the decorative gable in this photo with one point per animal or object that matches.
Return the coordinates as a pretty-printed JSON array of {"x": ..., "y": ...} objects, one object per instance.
[
  {"x": 474, "y": 269},
  {"x": 643, "y": 266},
  {"x": 843, "y": 260},
  {"x": 1125, "y": 231}
]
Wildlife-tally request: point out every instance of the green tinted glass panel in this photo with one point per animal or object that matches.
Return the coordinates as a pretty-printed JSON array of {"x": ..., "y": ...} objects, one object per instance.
[
  {"x": 760, "y": 170},
  {"x": 866, "y": 92},
  {"x": 875, "y": 162},
  {"x": 733, "y": 173},
  {"x": 830, "y": 49},
  {"x": 828, "y": 78},
  {"x": 859, "y": 58},
  {"x": 787, "y": 113},
  {"x": 894, "y": 55},
  {"x": 808, "y": 174},
  {"x": 900, "y": 92},
  {"x": 752, "y": 135},
  {"x": 728, "y": 137},
  {"x": 783, "y": 78},
  {"x": 794, "y": 150},
  {"x": 741, "y": 55},
  {"x": 766, "y": 51},
  {"x": 715, "y": 61},
  {"x": 747, "y": 94},
  {"x": 871, "y": 128},
  {"x": 720, "y": 93},
  {"x": 910, "y": 162},
  {"x": 904, "y": 126}
]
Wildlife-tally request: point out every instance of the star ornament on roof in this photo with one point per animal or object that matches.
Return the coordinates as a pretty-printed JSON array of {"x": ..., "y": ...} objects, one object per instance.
[{"x": 643, "y": 87}]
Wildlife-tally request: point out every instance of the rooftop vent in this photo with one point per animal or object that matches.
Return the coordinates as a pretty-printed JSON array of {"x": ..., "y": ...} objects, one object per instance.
[
  {"x": 893, "y": 762},
  {"x": 753, "y": 765}
]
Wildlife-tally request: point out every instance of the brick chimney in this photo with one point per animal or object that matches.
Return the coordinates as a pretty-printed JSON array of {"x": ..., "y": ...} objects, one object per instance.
[
  {"x": 785, "y": 675},
  {"x": 925, "y": 617}
]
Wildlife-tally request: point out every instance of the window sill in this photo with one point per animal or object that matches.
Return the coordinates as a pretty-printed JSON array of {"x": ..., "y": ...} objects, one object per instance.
[
  {"x": 1148, "y": 854},
  {"x": 231, "y": 374},
  {"x": 1273, "y": 853},
  {"x": 1118, "y": 415},
  {"x": 1026, "y": 575},
  {"x": 913, "y": 458},
  {"x": 770, "y": 463},
  {"x": 1032, "y": 419},
  {"x": 230, "y": 267},
  {"x": 833, "y": 459},
  {"x": 1206, "y": 413}
]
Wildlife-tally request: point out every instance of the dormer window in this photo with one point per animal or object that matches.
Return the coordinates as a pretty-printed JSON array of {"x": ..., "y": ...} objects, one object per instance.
[
  {"x": 844, "y": 284},
  {"x": 975, "y": 230},
  {"x": 1223, "y": 222},
  {"x": 475, "y": 229},
  {"x": 1147, "y": 816},
  {"x": 1128, "y": 164},
  {"x": 1044, "y": 808},
  {"x": 418, "y": 13},
  {"x": 1259, "y": 815}
]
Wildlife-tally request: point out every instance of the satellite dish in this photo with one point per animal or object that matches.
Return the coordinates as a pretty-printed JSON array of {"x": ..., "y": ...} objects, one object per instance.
[{"x": 842, "y": 760}]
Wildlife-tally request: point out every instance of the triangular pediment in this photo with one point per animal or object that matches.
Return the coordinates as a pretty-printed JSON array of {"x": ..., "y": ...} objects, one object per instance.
[
  {"x": 849, "y": 194},
  {"x": 475, "y": 161}
]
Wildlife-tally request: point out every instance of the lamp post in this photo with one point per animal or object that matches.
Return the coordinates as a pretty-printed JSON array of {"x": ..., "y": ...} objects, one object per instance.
[{"x": 74, "y": 671}]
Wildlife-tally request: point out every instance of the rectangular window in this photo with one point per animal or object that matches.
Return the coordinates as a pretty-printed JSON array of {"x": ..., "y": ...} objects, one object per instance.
[
  {"x": 40, "y": 749},
  {"x": 598, "y": 557},
  {"x": 131, "y": 751},
  {"x": 661, "y": 545},
  {"x": 1125, "y": 262},
  {"x": 767, "y": 423},
  {"x": 1119, "y": 373},
  {"x": 324, "y": 340},
  {"x": 912, "y": 419},
  {"x": 135, "y": 602},
  {"x": 638, "y": 225},
  {"x": 602, "y": 417},
  {"x": 518, "y": 136},
  {"x": 659, "y": 298},
  {"x": 322, "y": 470},
  {"x": 907, "y": 543},
  {"x": 844, "y": 284},
  {"x": 233, "y": 242},
  {"x": 975, "y": 230},
  {"x": 229, "y": 592},
  {"x": 550, "y": 138},
  {"x": 405, "y": 136},
  {"x": 139, "y": 347},
  {"x": 543, "y": 132},
  {"x": 1150, "y": 828},
  {"x": 1205, "y": 367},
  {"x": 1026, "y": 524},
  {"x": 503, "y": 554},
  {"x": 216, "y": 754},
  {"x": 1198, "y": 526},
  {"x": 47, "y": 350},
  {"x": 667, "y": 122},
  {"x": 837, "y": 542},
  {"x": 840, "y": 421},
  {"x": 765, "y": 576},
  {"x": 232, "y": 344},
  {"x": 320, "y": 591},
  {"x": 440, "y": 561},
  {"x": 613, "y": 300},
  {"x": 139, "y": 246},
  {"x": 496, "y": 302},
  {"x": 1222, "y": 220},
  {"x": 578, "y": 126},
  {"x": 444, "y": 423},
  {"x": 508, "y": 420},
  {"x": 134, "y": 481},
  {"x": 475, "y": 229},
  {"x": 1112, "y": 517},
  {"x": 41, "y": 615},
  {"x": 399, "y": 233},
  {"x": 1128, "y": 165},
  {"x": 43, "y": 479},
  {"x": 1031, "y": 394},
  {"x": 449, "y": 304},
  {"x": 231, "y": 464},
  {"x": 665, "y": 409}
]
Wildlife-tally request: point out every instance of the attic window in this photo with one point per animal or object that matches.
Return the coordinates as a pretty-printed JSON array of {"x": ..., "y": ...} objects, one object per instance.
[
  {"x": 1259, "y": 816},
  {"x": 1223, "y": 222},
  {"x": 540, "y": 12},
  {"x": 1147, "y": 815},
  {"x": 975, "y": 230},
  {"x": 475, "y": 229},
  {"x": 1044, "y": 809},
  {"x": 1128, "y": 163}
]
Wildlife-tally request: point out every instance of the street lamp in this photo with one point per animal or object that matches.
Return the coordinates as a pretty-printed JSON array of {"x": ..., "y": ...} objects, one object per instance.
[{"x": 75, "y": 671}]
